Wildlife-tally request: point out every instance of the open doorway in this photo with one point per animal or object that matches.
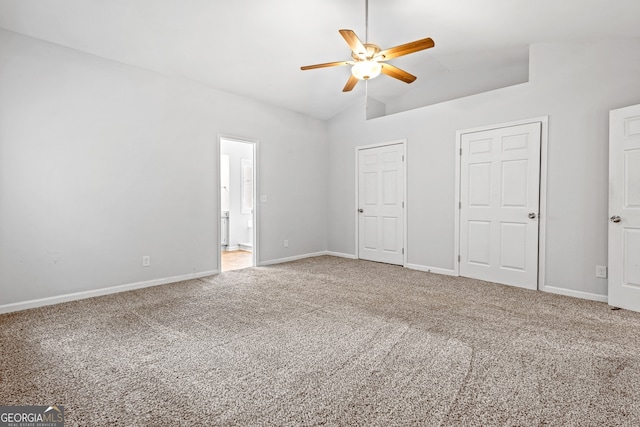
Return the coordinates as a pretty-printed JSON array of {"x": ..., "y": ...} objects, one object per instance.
[{"x": 237, "y": 204}]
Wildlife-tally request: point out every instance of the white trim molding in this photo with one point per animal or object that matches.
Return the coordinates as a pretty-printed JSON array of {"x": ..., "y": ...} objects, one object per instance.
[
  {"x": 341, "y": 255},
  {"x": 292, "y": 258},
  {"x": 435, "y": 270},
  {"x": 576, "y": 294},
  {"x": 25, "y": 305}
]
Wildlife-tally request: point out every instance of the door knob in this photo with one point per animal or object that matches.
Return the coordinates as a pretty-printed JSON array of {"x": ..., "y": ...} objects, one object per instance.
[
  {"x": 532, "y": 215},
  {"x": 360, "y": 210},
  {"x": 615, "y": 219}
]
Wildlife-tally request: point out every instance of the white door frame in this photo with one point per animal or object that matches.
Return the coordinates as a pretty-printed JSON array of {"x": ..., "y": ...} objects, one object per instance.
[
  {"x": 358, "y": 148},
  {"x": 542, "y": 217},
  {"x": 256, "y": 206}
]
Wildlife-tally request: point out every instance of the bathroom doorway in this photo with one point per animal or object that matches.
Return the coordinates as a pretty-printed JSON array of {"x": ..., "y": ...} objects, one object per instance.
[{"x": 238, "y": 213}]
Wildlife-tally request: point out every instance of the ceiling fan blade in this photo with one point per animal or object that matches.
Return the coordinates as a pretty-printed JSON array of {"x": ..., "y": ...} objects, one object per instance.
[
  {"x": 397, "y": 73},
  {"x": 351, "y": 83},
  {"x": 326, "y": 64},
  {"x": 405, "y": 49},
  {"x": 354, "y": 43}
]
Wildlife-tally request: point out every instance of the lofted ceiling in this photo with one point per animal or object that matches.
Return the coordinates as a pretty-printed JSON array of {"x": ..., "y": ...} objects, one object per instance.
[{"x": 255, "y": 47}]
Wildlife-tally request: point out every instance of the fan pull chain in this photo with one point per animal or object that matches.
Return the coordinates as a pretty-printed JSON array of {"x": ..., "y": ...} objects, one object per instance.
[{"x": 366, "y": 96}]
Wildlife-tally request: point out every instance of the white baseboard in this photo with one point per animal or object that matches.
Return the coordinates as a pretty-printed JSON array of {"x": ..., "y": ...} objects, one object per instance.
[
  {"x": 292, "y": 258},
  {"x": 24, "y": 305},
  {"x": 435, "y": 270},
  {"x": 576, "y": 294},
  {"x": 341, "y": 255}
]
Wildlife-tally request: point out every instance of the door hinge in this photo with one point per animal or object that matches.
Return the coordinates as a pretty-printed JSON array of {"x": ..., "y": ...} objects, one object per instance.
[
  {"x": 458, "y": 258},
  {"x": 402, "y": 251},
  {"x": 403, "y": 157},
  {"x": 459, "y": 205},
  {"x": 461, "y": 151},
  {"x": 403, "y": 204}
]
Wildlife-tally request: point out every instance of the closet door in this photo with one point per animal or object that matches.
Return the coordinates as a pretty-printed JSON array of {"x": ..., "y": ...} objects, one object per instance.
[{"x": 499, "y": 204}]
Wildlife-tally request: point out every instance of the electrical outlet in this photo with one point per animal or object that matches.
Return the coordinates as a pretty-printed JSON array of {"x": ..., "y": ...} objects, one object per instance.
[
  {"x": 146, "y": 261},
  {"x": 601, "y": 271},
  {"x": 286, "y": 243}
]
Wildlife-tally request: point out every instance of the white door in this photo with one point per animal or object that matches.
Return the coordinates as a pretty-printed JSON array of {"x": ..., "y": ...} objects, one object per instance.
[
  {"x": 624, "y": 208},
  {"x": 499, "y": 201},
  {"x": 381, "y": 204}
]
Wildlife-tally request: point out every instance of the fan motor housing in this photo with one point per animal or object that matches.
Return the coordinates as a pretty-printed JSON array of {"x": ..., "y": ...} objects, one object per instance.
[{"x": 372, "y": 51}]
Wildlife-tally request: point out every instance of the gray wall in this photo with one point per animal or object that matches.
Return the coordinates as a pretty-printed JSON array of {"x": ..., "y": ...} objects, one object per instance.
[
  {"x": 575, "y": 85},
  {"x": 102, "y": 163}
]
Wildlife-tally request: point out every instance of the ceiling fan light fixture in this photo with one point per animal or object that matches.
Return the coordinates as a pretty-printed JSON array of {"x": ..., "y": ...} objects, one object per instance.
[
  {"x": 367, "y": 57},
  {"x": 365, "y": 70}
]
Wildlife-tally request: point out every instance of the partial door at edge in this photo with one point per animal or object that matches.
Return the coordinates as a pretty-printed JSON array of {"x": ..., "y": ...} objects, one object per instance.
[
  {"x": 624, "y": 208},
  {"x": 381, "y": 204},
  {"x": 499, "y": 205}
]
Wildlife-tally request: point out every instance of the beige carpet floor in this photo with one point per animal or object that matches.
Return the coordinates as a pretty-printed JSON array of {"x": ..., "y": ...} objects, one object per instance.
[{"x": 327, "y": 341}]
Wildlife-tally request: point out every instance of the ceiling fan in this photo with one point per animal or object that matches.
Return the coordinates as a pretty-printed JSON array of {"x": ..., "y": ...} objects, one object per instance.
[{"x": 368, "y": 60}]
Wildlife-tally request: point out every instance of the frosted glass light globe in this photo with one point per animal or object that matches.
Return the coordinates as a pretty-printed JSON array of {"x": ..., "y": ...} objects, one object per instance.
[{"x": 365, "y": 70}]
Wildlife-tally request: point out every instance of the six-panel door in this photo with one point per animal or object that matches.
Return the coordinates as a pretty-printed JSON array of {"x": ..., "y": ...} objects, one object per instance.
[
  {"x": 381, "y": 201},
  {"x": 624, "y": 208},
  {"x": 499, "y": 194}
]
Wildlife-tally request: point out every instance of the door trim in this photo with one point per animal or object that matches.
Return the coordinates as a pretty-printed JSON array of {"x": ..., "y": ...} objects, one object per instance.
[
  {"x": 542, "y": 215},
  {"x": 358, "y": 148},
  {"x": 256, "y": 190}
]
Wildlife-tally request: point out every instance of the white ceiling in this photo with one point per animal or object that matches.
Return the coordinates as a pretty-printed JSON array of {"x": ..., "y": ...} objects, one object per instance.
[{"x": 256, "y": 47}]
